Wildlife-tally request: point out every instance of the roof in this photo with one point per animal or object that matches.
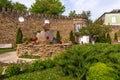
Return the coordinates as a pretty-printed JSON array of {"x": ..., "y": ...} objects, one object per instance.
[{"x": 113, "y": 11}]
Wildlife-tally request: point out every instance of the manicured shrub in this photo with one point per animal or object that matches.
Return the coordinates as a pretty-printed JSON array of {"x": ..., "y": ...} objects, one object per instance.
[
  {"x": 48, "y": 63},
  {"x": 27, "y": 67},
  {"x": 19, "y": 36},
  {"x": 13, "y": 69},
  {"x": 108, "y": 39},
  {"x": 1, "y": 70},
  {"x": 77, "y": 60},
  {"x": 58, "y": 37},
  {"x": 38, "y": 65},
  {"x": 72, "y": 37},
  {"x": 115, "y": 36},
  {"x": 100, "y": 71}
]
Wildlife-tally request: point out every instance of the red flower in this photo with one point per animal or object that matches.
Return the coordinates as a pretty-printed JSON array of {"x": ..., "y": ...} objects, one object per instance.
[
  {"x": 60, "y": 42},
  {"x": 47, "y": 37}
]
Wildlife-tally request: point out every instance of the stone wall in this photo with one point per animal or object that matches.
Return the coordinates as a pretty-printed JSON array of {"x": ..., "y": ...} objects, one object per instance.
[
  {"x": 41, "y": 50},
  {"x": 33, "y": 23}
]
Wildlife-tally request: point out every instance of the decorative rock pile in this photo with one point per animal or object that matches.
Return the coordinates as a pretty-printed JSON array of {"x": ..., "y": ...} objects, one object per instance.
[
  {"x": 41, "y": 50},
  {"x": 44, "y": 45}
]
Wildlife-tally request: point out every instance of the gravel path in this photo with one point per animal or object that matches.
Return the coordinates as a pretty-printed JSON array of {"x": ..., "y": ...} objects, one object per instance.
[{"x": 11, "y": 57}]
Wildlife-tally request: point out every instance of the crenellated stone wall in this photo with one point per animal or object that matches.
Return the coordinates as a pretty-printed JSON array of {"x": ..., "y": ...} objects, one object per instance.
[{"x": 33, "y": 23}]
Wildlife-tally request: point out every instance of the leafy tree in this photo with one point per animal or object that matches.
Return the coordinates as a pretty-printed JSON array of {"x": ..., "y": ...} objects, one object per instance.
[
  {"x": 19, "y": 6},
  {"x": 115, "y": 36},
  {"x": 72, "y": 13},
  {"x": 48, "y": 7},
  {"x": 72, "y": 37},
  {"x": 19, "y": 36},
  {"x": 87, "y": 15},
  {"x": 94, "y": 30},
  {"x": 58, "y": 37},
  {"x": 99, "y": 21},
  {"x": 5, "y": 3}
]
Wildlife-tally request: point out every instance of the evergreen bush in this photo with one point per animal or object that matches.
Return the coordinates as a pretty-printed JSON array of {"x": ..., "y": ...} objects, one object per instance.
[
  {"x": 115, "y": 37},
  {"x": 58, "y": 37},
  {"x": 13, "y": 69},
  {"x": 38, "y": 65},
  {"x": 77, "y": 60},
  {"x": 1, "y": 70},
  {"x": 27, "y": 67},
  {"x": 72, "y": 37},
  {"x": 100, "y": 71},
  {"x": 19, "y": 36}
]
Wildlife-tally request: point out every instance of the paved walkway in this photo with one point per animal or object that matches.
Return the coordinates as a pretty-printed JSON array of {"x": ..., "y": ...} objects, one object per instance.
[{"x": 11, "y": 57}]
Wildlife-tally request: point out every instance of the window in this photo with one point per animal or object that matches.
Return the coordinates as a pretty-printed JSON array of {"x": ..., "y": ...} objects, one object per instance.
[
  {"x": 113, "y": 19},
  {"x": 77, "y": 27}
]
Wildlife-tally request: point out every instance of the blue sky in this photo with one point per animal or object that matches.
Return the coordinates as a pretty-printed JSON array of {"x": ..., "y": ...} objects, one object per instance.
[{"x": 97, "y": 7}]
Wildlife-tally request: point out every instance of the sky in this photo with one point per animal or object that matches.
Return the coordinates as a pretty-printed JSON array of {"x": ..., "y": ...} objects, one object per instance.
[{"x": 97, "y": 7}]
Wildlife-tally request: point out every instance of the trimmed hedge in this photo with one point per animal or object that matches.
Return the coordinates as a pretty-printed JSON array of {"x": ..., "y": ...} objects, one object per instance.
[
  {"x": 1, "y": 70},
  {"x": 12, "y": 70},
  {"x": 100, "y": 71}
]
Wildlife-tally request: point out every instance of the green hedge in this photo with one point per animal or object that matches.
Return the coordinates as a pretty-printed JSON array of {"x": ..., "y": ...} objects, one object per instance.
[
  {"x": 100, "y": 71},
  {"x": 1, "y": 70},
  {"x": 77, "y": 60},
  {"x": 13, "y": 69}
]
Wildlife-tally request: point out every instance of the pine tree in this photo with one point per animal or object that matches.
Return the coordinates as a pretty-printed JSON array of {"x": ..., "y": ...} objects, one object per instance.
[
  {"x": 58, "y": 37},
  {"x": 108, "y": 39},
  {"x": 115, "y": 37},
  {"x": 19, "y": 36},
  {"x": 72, "y": 37}
]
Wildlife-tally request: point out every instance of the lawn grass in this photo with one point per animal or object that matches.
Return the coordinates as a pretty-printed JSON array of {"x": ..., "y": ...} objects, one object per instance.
[
  {"x": 49, "y": 74},
  {"x": 6, "y": 50}
]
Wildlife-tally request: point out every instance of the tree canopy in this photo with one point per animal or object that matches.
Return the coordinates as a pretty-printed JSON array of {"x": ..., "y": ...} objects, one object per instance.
[
  {"x": 72, "y": 13},
  {"x": 87, "y": 15},
  {"x": 5, "y": 3},
  {"x": 19, "y": 6},
  {"x": 9, "y": 4},
  {"x": 48, "y": 7},
  {"x": 93, "y": 30}
]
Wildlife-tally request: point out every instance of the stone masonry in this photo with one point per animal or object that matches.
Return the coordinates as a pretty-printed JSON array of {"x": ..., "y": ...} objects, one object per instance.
[
  {"x": 42, "y": 50},
  {"x": 33, "y": 23}
]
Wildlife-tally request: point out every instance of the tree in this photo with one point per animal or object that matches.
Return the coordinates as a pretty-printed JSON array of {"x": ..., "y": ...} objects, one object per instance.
[
  {"x": 94, "y": 30},
  {"x": 108, "y": 39},
  {"x": 19, "y": 6},
  {"x": 87, "y": 15},
  {"x": 19, "y": 36},
  {"x": 72, "y": 37},
  {"x": 58, "y": 37},
  {"x": 72, "y": 13},
  {"x": 5, "y": 3},
  {"x": 48, "y": 7},
  {"x": 115, "y": 37}
]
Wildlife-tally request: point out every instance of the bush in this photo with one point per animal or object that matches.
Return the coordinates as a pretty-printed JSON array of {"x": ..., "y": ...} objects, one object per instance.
[
  {"x": 19, "y": 36},
  {"x": 27, "y": 39},
  {"x": 101, "y": 71},
  {"x": 41, "y": 65},
  {"x": 77, "y": 60},
  {"x": 48, "y": 63},
  {"x": 38, "y": 65},
  {"x": 115, "y": 36},
  {"x": 58, "y": 37},
  {"x": 72, "y": 37},
  {"x": 13, "y": 69},
  {"x": 1, "y": 70},
  {"x": 27, "y": 67}
]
